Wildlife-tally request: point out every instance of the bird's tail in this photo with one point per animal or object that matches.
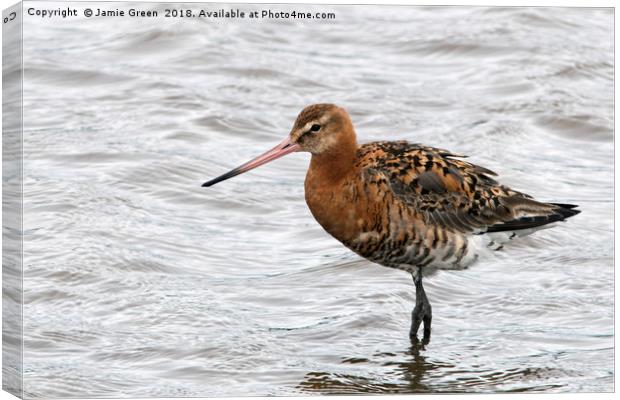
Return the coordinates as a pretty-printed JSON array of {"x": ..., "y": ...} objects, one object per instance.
[
  {"x": 532, "y": 214},
  {"x": 531, "y": 217}
]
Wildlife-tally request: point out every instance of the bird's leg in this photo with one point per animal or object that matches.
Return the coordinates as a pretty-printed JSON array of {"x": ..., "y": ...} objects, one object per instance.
[{"x": 422, "y": 311}]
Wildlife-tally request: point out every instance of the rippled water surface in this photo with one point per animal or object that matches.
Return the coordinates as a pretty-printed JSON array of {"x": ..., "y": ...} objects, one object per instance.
[{"x": 138, "y": 282}]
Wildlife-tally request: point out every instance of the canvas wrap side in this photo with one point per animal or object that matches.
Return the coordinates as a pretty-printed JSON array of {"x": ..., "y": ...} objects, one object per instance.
[{"x": 12, "y": 178}]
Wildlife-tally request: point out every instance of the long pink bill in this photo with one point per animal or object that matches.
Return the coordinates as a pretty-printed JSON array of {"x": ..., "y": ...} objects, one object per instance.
[{"x": 280, "y": 150}]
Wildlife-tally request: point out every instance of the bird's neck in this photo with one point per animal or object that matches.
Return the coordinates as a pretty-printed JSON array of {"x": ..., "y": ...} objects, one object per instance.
[
  {"x": 327, "y": 189},
  {"x": 333, "y": 165}
]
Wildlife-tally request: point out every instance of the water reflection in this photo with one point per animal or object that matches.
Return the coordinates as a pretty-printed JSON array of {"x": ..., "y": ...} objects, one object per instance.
[
  {"x": 414, "y": 372},
  {"x": 407, "y": 372}
]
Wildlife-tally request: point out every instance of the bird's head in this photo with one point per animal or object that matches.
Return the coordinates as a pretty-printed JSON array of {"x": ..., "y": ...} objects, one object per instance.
[{"x": 321, "y": 128}]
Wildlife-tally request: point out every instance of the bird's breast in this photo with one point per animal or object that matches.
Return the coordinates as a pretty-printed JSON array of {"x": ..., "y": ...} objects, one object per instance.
[
  {"x": 382, "y": 229},
  {"x": 337, "y": 207},
  {"x": 362, "y": 217}
]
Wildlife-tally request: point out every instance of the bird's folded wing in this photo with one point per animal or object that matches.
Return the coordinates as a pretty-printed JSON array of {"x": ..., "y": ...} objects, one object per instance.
[{"x": 453, "y": 193}]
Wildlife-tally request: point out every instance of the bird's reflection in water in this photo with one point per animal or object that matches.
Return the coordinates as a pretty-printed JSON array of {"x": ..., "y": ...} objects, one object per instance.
[
  {"x": 413, "y": 372},
  {"x": 407, "y": 375}
]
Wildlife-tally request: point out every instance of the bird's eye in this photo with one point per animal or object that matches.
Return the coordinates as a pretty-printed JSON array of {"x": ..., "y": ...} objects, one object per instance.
[{"x": 315, "y": 128}]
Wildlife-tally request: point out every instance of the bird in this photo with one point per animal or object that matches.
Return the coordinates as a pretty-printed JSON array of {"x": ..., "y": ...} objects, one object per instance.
[{"x": 404, "y": 205}]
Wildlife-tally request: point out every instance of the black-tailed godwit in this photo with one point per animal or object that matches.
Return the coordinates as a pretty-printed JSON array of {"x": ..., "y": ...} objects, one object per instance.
[{"x": 404, "y": 205}]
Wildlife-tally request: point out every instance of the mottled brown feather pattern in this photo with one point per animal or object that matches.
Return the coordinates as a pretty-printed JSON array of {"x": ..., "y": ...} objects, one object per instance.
[
  {"x": 444, "y": 190},
  {"x": 405, "y": 205}
]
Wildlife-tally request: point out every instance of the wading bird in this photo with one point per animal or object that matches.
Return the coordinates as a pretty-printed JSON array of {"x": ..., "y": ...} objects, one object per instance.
[{"x": 404, "y": 205}]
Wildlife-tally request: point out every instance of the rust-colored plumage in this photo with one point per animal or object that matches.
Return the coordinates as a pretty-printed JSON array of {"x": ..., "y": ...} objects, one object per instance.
[{"x": 404, "y": 205}]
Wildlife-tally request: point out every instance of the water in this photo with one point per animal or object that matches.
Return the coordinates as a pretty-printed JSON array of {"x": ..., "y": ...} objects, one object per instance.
[{"x": 138, "y": 282}]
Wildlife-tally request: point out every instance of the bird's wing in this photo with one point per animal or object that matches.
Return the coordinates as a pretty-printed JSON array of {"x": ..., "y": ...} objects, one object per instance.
[{"x": 451, "y": 192}]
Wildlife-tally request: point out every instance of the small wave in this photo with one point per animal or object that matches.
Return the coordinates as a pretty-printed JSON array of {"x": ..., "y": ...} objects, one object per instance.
[
  {"x": 581, "y": 127},
  {"x": 72, "y": 77}
]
